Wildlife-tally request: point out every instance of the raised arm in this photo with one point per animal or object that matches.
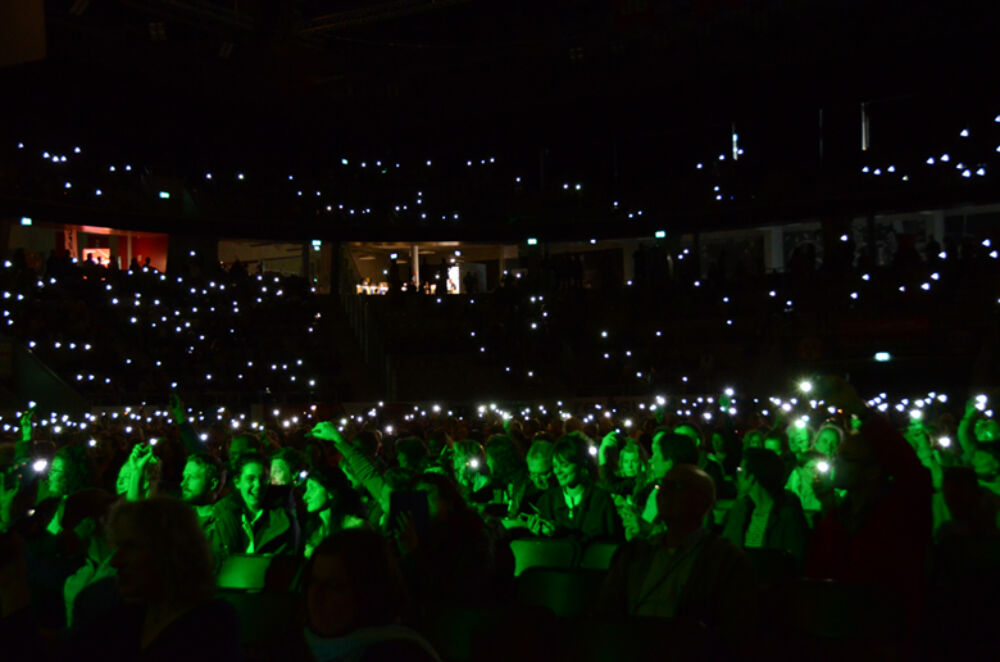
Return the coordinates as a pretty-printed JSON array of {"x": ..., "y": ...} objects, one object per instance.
[
  {"x": 187, "y": 434},
  {"x": 965, "y": 432},
  {"x": 359, "y": 465}
]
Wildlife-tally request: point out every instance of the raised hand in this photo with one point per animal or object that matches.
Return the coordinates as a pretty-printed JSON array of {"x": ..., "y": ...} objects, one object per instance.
[
  {"x": 327, "y": 431},
  {"x": 176, "y": 407},
  {"x": 26, "y": 418}
]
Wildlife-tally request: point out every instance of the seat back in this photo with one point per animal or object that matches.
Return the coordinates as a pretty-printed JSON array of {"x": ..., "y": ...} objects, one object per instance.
[
  {"x": 489, "y": 634},
  {"x": 598, "y": 555},
  {"x": 544, "y": 552},
  {"x": 243, "y": 572},
  {"x": 642, "y": 640},
  {"x": 567, "y": 592}
]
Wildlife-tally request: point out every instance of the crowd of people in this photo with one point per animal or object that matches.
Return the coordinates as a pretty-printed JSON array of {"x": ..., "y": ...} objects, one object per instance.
[
  {"x": 117, "y": 543},
  {"x": 126, "y": 335}
]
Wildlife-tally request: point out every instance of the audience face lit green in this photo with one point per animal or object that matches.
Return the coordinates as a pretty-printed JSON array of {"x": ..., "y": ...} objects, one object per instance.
[
  {"x": 567, "y": 474},
  {"x": 316, "y": 498},
  {"x": 540, "y": 472},
  {"x": 628, "y": 462},
  {"x": 659, "y": 465},
  {"x": 195, "y": 486},
  {"x": 798, "y": 438},
  {"x": 827, "y": 441},
  {"x": 251, "y": 485},
  {"x": 281, "y": 473}
]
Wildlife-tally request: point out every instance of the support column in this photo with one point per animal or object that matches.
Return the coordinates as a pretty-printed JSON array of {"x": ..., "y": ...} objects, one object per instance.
[
  {"x": 774, "y": 250},
  {"x": 936, "y": 227},
  {"x": 415, "y": 264},
  {"x": 628, "y": 261}
]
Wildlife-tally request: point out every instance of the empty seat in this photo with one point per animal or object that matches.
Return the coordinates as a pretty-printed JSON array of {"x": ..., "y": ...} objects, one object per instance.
[
  {"x": 598, "y": 555},
  {"x": 567, "y": 592},
  {"x": 546, "y": 553}
]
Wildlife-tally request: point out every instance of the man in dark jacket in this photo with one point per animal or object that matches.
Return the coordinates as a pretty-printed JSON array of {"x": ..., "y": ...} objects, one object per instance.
[{"x": 688, "y": 573}]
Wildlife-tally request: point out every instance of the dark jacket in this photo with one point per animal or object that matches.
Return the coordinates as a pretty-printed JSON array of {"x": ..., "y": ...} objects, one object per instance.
[
  {"x": 786, "y": 530},
  {"x": 595, "y": 518},
  {"x": 717, "y": 591},
  {"x": 276, "y": 532},
  {"x": 209, "y": 632}
]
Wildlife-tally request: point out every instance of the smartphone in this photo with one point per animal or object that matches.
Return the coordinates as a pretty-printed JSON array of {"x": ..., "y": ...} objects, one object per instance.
[{"x": 413, "y": 503}]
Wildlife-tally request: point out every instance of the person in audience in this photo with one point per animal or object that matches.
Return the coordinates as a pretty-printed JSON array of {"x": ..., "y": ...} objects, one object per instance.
[
  {"x": 286, "y": 465},
  {"x": 539, "y": 460},
  {"x": 360, "y": 469},
  {"x": 705, "y": 459},
  {"x": 201, "y": 484},
  {"x": 90, "y": 593},
  {"x": 331, "y": 504},
  {"x": 669, "y": 449},
  {"x": 766, "y": 515},
  {"x": 71, "y": 471},
  {"x": 455, "y": 559},
  {"x": 165, "y": 584},
  {"x": 508, "y": 472},
  {"x": 247, "y": 521},
  {"x": 621, "y": 466},
  {"x": 140, "y": 475},
  {"x": 577, "y": 505},
  {"x": 411, "y": 454},
  {"x": 471, "y": 472},
  {"x": 356, "y": 603},
  {"x": 974, "y": 511},
  {"x": 828, "y": 439},
  {"x": 814, "y": 467},
  {"x": 165, "y": 577},
  {"x": 753, "y": 438},
  {"x": 688, "y": 572},
  {"x": 727, "y": 450},
  {"x": 540, "y": 479},
  {"x": 879, "y": 533}
]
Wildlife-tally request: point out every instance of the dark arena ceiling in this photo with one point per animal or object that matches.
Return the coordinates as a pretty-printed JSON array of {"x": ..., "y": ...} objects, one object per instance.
[
  {"x": 613, "y": 89},
  {"x": 192, "y": 75}
]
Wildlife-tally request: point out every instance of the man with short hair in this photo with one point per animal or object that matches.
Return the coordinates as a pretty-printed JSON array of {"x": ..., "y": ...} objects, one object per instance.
[
  {"x": 688, "y": 572},
  {"x": 669, "y": 450},
  {"x": 201, "y": 483},
  {"x": 248, "y": 521}
]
